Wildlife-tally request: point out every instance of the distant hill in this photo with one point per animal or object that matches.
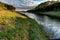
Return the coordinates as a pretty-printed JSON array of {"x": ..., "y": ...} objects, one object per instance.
[
  {"x": 6, "y": 6},
  {"x": 47, "y": 6}
]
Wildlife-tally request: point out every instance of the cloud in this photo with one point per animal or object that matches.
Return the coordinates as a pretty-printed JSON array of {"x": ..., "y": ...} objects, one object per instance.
[{"x": 23, "y": 4}]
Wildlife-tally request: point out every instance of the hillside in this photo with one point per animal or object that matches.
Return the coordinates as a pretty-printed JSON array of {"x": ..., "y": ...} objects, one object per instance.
[
  {"x": 52, "y": 10},
  {"x": 47, "y": 6},
  {"x": 14, "y": 26},
  {"x": 7, "y": 7}
]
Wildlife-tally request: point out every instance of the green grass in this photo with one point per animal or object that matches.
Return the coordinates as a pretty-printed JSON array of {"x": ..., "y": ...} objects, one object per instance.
[
  {"x": 22, "y": 29},
  {"x": 36, "y": 32}
]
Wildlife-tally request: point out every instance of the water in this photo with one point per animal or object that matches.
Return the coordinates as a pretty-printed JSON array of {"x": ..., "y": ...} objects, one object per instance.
[{"x": 51, "y": 26}]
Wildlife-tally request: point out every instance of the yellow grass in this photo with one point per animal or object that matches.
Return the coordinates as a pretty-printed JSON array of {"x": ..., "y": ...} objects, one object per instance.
[
  {"x": 6, "y": 15},
  {"x": 9, "y": 14}
]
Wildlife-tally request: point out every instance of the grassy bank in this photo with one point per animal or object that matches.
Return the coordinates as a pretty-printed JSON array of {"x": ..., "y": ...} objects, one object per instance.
[{"x": 14, "y": 26}]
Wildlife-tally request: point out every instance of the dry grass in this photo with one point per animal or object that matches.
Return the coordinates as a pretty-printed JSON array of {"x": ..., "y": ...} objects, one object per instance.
[
  {"x": 9, "y": 14},
  {"x": 6, "y": 15}
]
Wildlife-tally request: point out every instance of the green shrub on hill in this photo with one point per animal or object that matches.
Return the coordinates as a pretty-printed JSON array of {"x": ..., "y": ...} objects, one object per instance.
[{"x": 6, "y": 6}]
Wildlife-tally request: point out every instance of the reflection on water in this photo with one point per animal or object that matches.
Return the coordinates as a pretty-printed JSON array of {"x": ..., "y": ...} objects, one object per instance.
[{"x": 51, "y": 26}]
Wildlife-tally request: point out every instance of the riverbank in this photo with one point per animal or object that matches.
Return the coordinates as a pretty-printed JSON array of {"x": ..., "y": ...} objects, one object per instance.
[
  {"x": 36, "y": 31},
  {"x": 15, "y": 26},
  {"x": 50, "y": 25}
]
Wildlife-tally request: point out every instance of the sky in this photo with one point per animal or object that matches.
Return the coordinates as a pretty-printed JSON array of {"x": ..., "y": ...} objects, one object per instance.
[{"x": 23, "y": 4}]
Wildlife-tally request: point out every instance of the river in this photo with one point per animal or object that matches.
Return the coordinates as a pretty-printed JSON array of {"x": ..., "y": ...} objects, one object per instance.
[{"x": 50, "y": 25}]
